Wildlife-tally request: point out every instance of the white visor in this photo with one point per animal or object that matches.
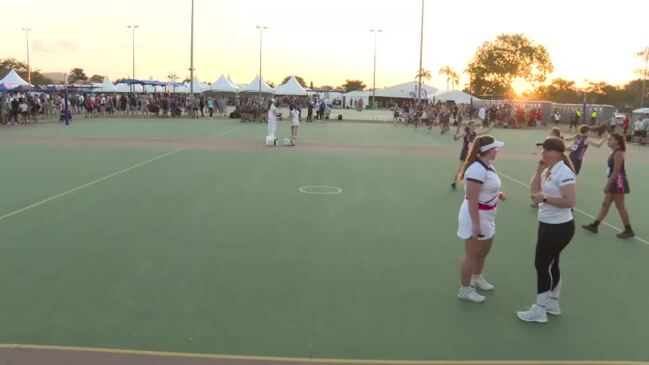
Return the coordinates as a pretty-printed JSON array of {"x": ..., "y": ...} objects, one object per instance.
[{"x": 495, "y": 144}]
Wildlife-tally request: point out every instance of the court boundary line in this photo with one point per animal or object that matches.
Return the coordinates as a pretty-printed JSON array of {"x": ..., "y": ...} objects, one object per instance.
[
  {"x": 638, "y": 238},
  {"x": 94, "y": 182},
  {"x": 279, "y": 359}
]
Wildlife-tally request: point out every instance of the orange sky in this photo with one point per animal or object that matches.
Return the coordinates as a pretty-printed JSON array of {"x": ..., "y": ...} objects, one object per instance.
[{"x": 325, "y": 42}]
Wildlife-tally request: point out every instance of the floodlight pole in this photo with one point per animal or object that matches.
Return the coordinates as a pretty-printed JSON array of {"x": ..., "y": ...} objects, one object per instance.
[
  {"x": 133, "y": 27},
  {"x": 376, "y": 33},
  {"x": 421, "y": 52},
  {"x": 29, "y": 68},
  {"x": 261, "y": 38},
  {"x": 191, "y": 57}
]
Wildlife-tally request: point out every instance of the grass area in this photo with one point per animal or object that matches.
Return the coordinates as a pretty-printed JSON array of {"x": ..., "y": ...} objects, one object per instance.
[{"x": 216, "y": 251}]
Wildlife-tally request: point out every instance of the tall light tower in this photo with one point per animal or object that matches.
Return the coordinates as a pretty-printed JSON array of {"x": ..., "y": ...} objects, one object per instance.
[
  {"x": 376, "y": 33},
  {"x": 191, "y": 57},
  {"x": 261, "y": 38},
  {"x": 29, "y": 68},
  {"x": 133, "y": 28},
  {"x": 421, "y": 52}
]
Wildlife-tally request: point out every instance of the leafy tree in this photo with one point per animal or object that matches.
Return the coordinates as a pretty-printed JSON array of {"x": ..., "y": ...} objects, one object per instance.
[
  {"x": 76, "y": 75},
  {"x": 498, "y": 63},
  {"x": 354, "y": 85},
  {"x": 8, "y": 64},
  {"x": 97, "y": 78}
]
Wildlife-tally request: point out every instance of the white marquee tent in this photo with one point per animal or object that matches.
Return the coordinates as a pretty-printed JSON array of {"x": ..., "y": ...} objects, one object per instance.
[
  {"x": 291, "y": 88},
  {"x": 253, "y": 87},
  {"x": 457, "y": 96},
  {"x": 12, "y": 79},
  {"x": 106, "y": 86},
  {"x": 407, "y": 90},
  {"x": 223, "y": 85}
]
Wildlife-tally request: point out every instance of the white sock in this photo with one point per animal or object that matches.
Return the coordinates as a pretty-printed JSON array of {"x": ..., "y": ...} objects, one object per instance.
[
  {"x": 542, "y": 299},
  {"x": 556, "y": 293},
  {"x": 474, "y": 277}
]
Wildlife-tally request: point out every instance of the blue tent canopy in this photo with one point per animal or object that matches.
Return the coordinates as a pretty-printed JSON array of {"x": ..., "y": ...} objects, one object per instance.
[
  {"x": 154, "y": 83},
  {"x": 4, "y": 88},
  {"x": 133, "y": 82}
]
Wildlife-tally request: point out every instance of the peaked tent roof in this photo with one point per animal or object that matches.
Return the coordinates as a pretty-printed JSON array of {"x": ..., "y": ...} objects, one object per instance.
[
  {"x": 457, "y": 96},
  {"x": 291, "y": 88},
  {"x": 223, "y": 85},
  {"x": 107, "y": 86},
  {"x": 407, "y": 90},
  {"x": 12, "y": 79},
  {"x": 253, "y": 87},
  {"x": 198, "y": 86}
]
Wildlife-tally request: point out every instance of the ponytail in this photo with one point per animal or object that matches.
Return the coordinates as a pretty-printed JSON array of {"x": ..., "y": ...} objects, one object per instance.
[
  {"x": 474, "y": 153},
  {"x": 568, "y": 162}
]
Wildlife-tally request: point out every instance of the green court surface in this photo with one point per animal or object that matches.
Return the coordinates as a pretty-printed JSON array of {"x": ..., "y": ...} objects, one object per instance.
[{"x": 190, "y": 236}]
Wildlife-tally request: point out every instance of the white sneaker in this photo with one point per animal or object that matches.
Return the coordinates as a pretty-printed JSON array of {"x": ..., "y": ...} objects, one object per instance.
[
  {"x": 471, "y": 295},
  {"x": 481, "y": 283},
  {"x": 552, "y": 307},
  {"x": 534, "y": 314}
]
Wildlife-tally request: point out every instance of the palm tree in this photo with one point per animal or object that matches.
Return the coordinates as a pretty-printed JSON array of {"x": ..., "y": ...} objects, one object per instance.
[
  {"x": 452, "y": 77},
  {"x": 425, "y": 74}
]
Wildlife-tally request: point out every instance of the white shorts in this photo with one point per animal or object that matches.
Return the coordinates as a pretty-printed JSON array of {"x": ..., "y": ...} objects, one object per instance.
[
  {"x": 295, "y": 124},
  {"x": 465, "y": 223}
]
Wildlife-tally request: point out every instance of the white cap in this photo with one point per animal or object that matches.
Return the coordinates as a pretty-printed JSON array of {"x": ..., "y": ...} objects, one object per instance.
[
  {"x": 494, "y": 144},
  {"x": 273, "y": 100}
]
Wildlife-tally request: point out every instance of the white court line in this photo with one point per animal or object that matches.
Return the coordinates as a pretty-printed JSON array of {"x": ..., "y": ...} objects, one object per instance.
[
  {"x": 104, "y": 178},
  {"x": 88, "y": 184},
  {"x": 576, "y": 209}
]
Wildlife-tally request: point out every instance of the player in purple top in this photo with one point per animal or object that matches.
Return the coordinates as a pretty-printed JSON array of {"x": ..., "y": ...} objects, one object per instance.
[
  {"x": 467, "y": 136},
  {"x": 580, "y": 143},
  {"x": 617, "y": 186}
]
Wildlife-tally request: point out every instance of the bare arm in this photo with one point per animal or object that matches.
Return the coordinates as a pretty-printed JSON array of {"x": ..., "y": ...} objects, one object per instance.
[
  {"x": 570, "y": 138},
  {"x": 535, "y": 184},
  {"x": 491, "y": 126},
  {"x": 599, "y": 143}
]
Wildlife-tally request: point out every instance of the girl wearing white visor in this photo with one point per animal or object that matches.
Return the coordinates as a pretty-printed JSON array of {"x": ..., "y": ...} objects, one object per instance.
[{"x": 477, "y": 217}]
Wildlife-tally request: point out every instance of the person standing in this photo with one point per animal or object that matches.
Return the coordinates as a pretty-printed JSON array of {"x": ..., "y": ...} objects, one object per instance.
[
  {"x": 477, "y": 216},
  {"x": 580, "y": 144},
  {"x": 295, "y": 122},
  {"x": 617, "y": 186},
  {"x": 553, "y": 188},
  {"x": 309, "y": 116},
  {"x": 210, "y": 106},
  {"x": 272, "y": 119}
]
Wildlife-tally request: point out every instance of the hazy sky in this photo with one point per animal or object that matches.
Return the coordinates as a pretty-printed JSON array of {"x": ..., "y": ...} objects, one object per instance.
[{"x": 323, "y": 41}]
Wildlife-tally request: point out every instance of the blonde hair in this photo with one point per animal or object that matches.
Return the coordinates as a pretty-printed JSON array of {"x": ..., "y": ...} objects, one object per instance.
[{"x": 475, "y": 152}]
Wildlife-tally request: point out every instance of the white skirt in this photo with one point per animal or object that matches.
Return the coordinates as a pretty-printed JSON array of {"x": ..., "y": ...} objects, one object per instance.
[
  {"x": 465, "y": 223},
  {"x": 295, "y": 123}
]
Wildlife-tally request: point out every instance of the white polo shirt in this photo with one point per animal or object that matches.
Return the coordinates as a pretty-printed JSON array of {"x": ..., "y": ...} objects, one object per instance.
[
  {"x": 560, "y": 175},
  {"x": 486, "y": 175}
]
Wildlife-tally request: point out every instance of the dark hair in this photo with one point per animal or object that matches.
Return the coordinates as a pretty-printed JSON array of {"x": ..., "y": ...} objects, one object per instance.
[
  {"x": 583, "y": 129},
  {"x": 557, "y": 145},
  {"x": 621, "y": 144},
  {"x": 475, "y": 152}
]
